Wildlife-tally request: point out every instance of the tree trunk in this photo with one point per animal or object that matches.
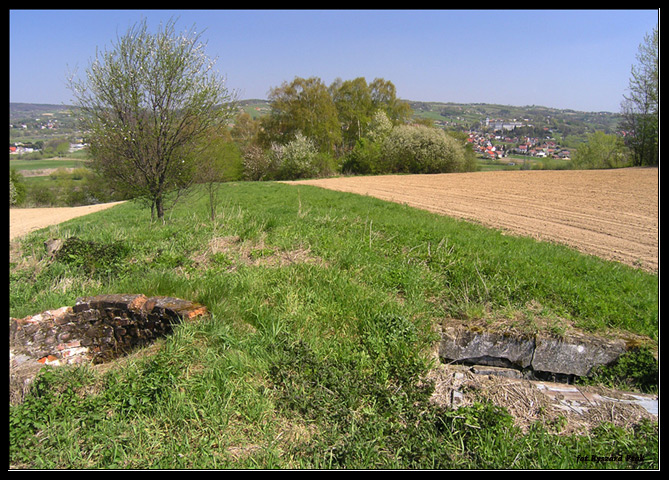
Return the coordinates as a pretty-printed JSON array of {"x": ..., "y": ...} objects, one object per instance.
[
  {"x": 212, "y": 202},
  {"x": 160, "y": 212}
]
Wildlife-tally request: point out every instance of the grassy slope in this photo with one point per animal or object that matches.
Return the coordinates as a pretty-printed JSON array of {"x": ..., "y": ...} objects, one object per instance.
[{"x": 311, "y": 361}]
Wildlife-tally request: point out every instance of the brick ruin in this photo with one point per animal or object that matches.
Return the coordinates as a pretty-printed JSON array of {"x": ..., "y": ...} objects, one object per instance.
[{"x": 96, "y": 330}]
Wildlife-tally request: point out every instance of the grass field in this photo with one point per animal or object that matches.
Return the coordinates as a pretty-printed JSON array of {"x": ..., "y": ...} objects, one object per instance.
[
  {"x": 613, "y": 214},
  {"x": 322, "y": 306},
  {"x": 47, "y": 164}
]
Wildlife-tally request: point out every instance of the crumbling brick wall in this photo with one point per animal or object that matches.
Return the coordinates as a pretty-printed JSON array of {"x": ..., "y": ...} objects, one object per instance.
[{"x": 96, "y": 329}]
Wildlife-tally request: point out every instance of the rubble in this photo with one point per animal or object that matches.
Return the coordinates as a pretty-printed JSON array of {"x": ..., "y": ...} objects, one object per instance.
[
  {"x": 533, "y": 376},
  {"x": 566, "y": 408},
  {"x": 96, "y": 329}
]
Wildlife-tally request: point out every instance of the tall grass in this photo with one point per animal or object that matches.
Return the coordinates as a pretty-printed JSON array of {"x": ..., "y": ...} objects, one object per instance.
[{"x": 320, "y": 327}]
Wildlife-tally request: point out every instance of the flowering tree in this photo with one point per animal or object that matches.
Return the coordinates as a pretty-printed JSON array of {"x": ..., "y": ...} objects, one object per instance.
[
  {"x": 297, "y": 159},
  {"x": 419, "y": 149},
  {"x": 147, "y": 106}
]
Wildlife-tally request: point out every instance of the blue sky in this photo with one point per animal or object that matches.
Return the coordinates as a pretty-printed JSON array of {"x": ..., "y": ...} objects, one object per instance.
[{"x": 576, "y": 59}]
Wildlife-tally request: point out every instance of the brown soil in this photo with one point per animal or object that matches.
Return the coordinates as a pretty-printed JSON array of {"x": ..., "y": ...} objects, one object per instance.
[
  {"x": 613, "y": 214},
  {"x": 25, "y": 220},
  {"x": 43, "y": 172}
]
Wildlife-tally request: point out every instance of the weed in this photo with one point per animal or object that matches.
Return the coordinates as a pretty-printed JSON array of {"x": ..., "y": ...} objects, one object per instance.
[
  {"x": 50, "y": 418},
  {"x": 91, "y": 257},
  {"x": 636, "y": 369}
]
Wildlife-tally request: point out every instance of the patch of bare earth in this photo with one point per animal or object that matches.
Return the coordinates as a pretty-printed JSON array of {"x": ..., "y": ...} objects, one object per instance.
[
  {"x": 25, "y": 220},
  {"x": 613, "y": 214}
]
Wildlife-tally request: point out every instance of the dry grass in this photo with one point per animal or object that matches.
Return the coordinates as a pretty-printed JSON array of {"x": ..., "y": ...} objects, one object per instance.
[
  {"x": 528, "y": 404},
  {"x": 252, "y": 253}
]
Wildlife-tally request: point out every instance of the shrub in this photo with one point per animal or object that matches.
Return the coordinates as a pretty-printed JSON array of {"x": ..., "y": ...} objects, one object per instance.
[
  {"x": 379, "y": 127},
  {"x": 76, "y": 196},
  {"x": 257, "y": 164},
  {"x": 326, "y": 165},
  {"x": 602, "y": 151},
  {"x": 297, "y": 159},
  {"x": 40, "y": 195},
  {"x": 636, "y": 370},
  {"x": 364, "y": 159},
  {"x": 93, "y": 258},
  {"x": 80, "y": 173},
  {"x": 420, "y": 149},
  {"x": 60, "y": 174},
  {"x": 17, "y": 193},
  {"x": 12, "y": 192}
]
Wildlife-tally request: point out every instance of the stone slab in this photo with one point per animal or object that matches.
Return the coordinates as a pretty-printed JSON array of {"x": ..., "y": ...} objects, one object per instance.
[
  {"x": 572, "y": 354},
  {"x": 575, "y": 354},
  {"x": 460, "y": 344}
]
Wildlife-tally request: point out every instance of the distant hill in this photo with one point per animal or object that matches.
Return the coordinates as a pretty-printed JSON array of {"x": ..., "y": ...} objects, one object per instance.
[
  {"x": 18, "y": 111},
  {"x": 469, "y": 115},
  {"x": 449, "y": 115}
]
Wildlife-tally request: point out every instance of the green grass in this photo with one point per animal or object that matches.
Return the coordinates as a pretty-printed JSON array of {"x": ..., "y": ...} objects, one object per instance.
[
  {"x": 321, "y": 308},
  {"x": 46, "y": 163}
]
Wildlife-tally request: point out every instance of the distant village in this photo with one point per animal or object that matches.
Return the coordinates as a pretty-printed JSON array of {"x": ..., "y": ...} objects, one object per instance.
[
  {"x": 47, "y": 126},
  {"x": 25, "y": 148},
  {"x": 495, "y": 141}
]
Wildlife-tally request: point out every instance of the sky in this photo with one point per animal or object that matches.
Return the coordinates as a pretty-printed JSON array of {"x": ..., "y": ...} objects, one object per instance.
[{"x": 567, "y": 59}]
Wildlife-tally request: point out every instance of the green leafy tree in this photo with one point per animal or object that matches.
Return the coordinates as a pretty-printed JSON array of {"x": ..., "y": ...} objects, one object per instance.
[
  {"x": 641, "y": 107},
  {"x": 384, "y": 97},
  {"x": 220, "y": 162},
  {"x": 353, "y": 101},
  {"x": 334, "y": 117},
  {"x": 305, "y": 106},
  {"x": 601, "y": 150},
  {"x": 57, "y": 147},
  {"x": 245, "y": 129},
  {"x": 148, "y": 104},
  {"x": 364, "y": 158}
]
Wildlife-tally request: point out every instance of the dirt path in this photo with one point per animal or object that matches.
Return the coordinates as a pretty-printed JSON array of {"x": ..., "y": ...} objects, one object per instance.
[
  {"x": 613, "y": 214},
  {"x": 25, "y": 220}
]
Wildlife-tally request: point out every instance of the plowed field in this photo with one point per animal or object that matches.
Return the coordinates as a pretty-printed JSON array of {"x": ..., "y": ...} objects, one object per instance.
[{"x": 613, "y": 214}]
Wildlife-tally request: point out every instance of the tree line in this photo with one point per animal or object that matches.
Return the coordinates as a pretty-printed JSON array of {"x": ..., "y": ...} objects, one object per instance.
[
  {"x": 156, "y": 115},
  {"x": 351, "y": 127}
]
